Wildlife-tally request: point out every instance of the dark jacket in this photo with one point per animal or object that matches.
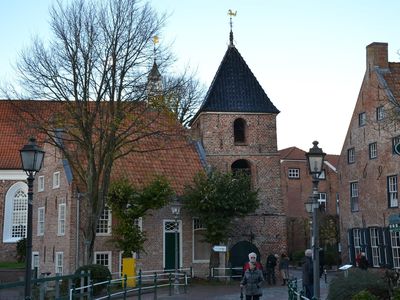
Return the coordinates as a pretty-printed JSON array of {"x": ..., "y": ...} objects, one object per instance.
[
  {"x": 308, "y": 277},
  {"x": 363, "y": 263},
  {"x": 271, "y": 261},
  {"x": 252, "y": 280}
]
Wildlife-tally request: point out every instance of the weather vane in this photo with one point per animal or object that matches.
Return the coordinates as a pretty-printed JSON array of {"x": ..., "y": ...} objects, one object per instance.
[{"x": 231, "y": 14}]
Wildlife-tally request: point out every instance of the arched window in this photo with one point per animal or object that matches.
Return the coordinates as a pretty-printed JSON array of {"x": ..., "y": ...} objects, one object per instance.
[
  {"x": 239, "y": 131},
  {"x": 15, "y": 213},
  {"x": 242, "y": 166}
]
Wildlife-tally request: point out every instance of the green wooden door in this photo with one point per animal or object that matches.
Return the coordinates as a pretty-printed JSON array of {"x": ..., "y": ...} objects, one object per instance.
[{"x": 169, "y": 245}]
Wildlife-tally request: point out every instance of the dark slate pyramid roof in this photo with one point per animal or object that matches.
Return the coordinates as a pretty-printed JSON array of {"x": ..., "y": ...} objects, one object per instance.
[{"x": 236, "y": 89}]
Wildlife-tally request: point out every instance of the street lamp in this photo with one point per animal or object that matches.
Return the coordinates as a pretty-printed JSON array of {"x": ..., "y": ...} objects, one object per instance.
[
  {"x": 315, "y": 158},
  {"x": 32, "y": 159},
  {"x": 176, "y": 211}
]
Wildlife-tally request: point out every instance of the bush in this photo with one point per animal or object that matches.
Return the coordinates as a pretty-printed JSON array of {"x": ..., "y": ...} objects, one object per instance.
[
  {"x": 364, "y": 295},
  {"x": 297, "y": 257},
  {"x": 345, "y": 288},
  {"x": 21, "y": 250},
  {"x": 98, "y": 273}
]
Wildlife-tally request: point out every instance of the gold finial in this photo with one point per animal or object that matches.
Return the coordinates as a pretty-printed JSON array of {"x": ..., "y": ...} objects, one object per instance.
[{"x": 155, "y": 40}]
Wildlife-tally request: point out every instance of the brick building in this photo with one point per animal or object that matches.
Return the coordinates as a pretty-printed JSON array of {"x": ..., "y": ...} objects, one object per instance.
[
  {"x": 369, "y": 165},
  {"x": 296, "y": 191},
  {"x": 236, "y": 125},
  {"x": 58, "y": 243}
]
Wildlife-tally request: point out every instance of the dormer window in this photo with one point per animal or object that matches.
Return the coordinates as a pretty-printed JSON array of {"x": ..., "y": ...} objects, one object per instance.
[{"x": 239, "y": 131}]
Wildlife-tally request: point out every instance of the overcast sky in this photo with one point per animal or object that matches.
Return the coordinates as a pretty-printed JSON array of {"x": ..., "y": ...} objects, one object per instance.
[{"x": 309, "y": 56}]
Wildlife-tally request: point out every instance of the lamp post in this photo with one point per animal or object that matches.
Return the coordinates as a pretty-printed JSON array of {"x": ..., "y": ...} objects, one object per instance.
[
  {"x": 315, "y": 158},
  {"x": 176, "y": 211},
  {"x": 32, "y": 159}
]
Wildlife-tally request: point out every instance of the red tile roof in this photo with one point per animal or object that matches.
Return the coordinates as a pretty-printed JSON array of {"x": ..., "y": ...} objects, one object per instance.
[
  {"x": 294, "y": 153},
  {"x": 179, "y": 161}
]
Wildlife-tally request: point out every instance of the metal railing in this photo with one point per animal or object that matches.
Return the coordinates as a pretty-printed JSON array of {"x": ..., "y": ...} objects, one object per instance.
[
  {"x": 295, "y": 290},
  {"x": 236, "y": 272},
  {"x": 145, "y": 282}
]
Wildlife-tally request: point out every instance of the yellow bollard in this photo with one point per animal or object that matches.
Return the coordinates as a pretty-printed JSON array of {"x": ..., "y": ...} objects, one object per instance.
[{"x": 129, "y": 269}]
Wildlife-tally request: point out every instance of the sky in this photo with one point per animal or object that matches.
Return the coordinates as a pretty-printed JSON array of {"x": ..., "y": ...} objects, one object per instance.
[{"x": 308, "y": 55}]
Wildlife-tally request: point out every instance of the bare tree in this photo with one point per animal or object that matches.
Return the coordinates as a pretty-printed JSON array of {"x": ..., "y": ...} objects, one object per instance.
[
  {"x": 184, "y": 97},
  {"x": 96, "y": 65}
]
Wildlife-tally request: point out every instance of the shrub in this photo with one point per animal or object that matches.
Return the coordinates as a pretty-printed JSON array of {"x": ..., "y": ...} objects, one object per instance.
[
  {"x": 345, "y": 288},
  {"x": 98, "y": 273},
  {"x": 297, "y": 257},
  {"x": 364, "y": 295},
  {"x": 21, "y": 250}
]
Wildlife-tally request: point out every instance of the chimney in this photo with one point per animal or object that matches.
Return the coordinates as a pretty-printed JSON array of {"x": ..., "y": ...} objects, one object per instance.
[{"x": 377, "y": 55}]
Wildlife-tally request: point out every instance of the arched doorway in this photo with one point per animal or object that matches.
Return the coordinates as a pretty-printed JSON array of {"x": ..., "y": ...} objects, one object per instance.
[{"x": 239, "y": 255}]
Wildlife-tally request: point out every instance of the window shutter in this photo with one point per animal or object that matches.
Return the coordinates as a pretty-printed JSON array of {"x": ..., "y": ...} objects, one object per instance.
[
  {"x": 350, "y": 238},
  {"x": 365, "y": 234},
  {"x": 388, "y": 247}
]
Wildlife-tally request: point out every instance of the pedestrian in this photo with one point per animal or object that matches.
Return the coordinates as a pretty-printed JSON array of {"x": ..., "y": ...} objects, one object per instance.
[
  {"x": 284, "y": 268},
  {"x": 308, "y": 278},
  {"x": 251, "y": 281},
  {"x": 358, "y": 258},
  {"x": 363, "y": 261},
  {"x": 270, "y": 268},
  {"x": 252, "y": 258}
]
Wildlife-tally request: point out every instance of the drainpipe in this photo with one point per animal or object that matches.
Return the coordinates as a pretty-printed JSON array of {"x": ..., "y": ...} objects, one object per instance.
[{"x": 78, "y": 198}]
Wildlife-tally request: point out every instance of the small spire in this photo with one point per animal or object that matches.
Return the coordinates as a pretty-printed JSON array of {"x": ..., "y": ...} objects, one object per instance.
[
  {"x": 155, "y": 41},
  {"x": 231, "y": 14}
]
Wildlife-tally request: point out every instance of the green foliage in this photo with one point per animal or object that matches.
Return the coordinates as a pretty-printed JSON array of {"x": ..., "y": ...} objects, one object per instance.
[
  {"x": 21, "y": 250},
  {"x": 331, "y": 256},
  {"x": 128, "y": 204},
  {"x": 98, "y": 273},
  {"x": 364, "y": 295},
  {"x": 357, "y": 281},
  {"x": 11, "y": 265},
  {"x": 297, "y": 257},
  {"x": 216, "y": 199}
]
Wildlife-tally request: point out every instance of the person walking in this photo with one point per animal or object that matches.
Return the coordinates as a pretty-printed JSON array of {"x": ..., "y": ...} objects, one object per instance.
[
  {"x": 251, "y": 281},
  {"x": 308, "y": 276},
  {"x": 270, "y": 268},
  {"x": 252, "y": 258},
  {"x": 284, "y": 268},
  {"x": 363, "y": 261}
]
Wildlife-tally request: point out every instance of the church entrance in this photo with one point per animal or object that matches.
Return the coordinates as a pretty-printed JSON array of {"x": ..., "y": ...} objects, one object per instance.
[{"x": 239, "y": 255}]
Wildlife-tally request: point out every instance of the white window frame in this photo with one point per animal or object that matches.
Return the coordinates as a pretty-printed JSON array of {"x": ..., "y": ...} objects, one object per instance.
[
  {"x": 105, "y": 221},
  {"x": 392, "y": 191},
  {"x": 109, "y": 258},
  {"x": 395, "y": 241},
  {"x": 362, "y": 119},
  {"x": 62, "y": 213},
  {"x": 56, "y": 180},
  {"x": 380, "y": 113},
  {"x": 9, "y": 211},
  {"x": 373, "y": 150},
  {"x": 294, "y": 173},
  {"x": 41, "y": 183},
  {"x": 59, "y": 263},
  {"x": 35, "y": 261},
  {"x": 351, "y": 155},
  {"x": 322, "y": 197},
  {"x": 40, "y": 221},
  {"x": 196, "y": 225},
  {"x": 357, "y": 241},
  {"x": 354, "y": 198},
  {"x": 139, "y": 223},
  {"x": 374, "y": 237}
]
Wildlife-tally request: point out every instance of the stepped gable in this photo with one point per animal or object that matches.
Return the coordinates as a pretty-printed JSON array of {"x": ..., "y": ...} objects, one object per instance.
[{"x": 236, "y": 89}]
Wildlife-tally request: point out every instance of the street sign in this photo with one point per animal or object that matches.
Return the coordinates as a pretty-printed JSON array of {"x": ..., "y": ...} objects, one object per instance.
[{"x": 219, "y": 248}]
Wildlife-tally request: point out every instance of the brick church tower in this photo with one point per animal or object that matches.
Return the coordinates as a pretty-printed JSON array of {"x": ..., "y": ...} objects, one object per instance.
[{"x": 236, "y": 125}]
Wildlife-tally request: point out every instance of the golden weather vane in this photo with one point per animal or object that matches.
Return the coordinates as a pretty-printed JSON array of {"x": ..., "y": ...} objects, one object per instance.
[
  {"x": 231, "y": 14},
  {"x": 155, "y": 39}
]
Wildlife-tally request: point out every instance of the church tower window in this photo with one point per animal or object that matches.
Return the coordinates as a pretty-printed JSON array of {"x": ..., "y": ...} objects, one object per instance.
[{"x": 239, "y": 131}]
